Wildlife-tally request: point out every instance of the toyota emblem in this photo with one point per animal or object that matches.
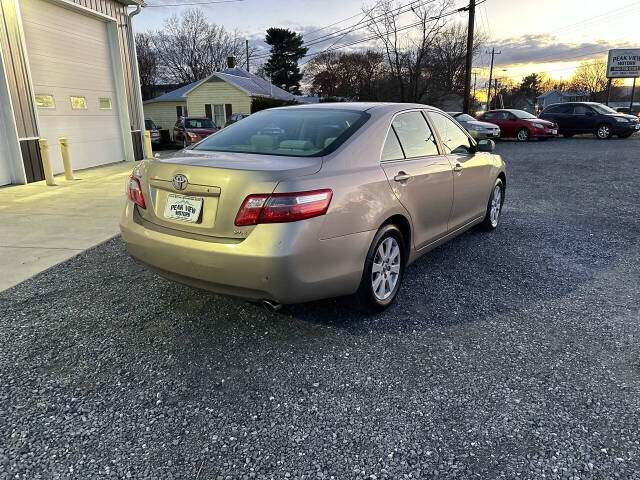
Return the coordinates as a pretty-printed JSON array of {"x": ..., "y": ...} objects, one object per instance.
[{"x": 180, "y": 182}]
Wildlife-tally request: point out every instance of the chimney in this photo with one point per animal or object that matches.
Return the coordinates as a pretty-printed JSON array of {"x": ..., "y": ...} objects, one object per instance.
[{"x": 231, "y": 62}]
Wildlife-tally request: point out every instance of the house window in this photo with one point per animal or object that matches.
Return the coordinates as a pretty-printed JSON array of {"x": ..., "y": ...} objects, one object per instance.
[
  {"x": 218, "y": 115},
  {"x": 104, "y": 103},
  {"x": 78, "y": 103},
  {"x": 45, "y": 101}
]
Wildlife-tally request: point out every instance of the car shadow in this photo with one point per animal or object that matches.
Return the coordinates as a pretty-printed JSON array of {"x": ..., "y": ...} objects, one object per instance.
[{"x": 529, "y": 259}]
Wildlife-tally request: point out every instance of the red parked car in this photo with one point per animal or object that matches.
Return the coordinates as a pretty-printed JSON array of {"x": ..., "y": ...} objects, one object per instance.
[
  {"x": 190, "y": 130},
  {"x": 520, "y": 124}
]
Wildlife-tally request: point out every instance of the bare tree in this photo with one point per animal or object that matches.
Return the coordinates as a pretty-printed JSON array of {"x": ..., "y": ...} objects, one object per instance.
[
  {"x": 189, "y": 48},
  {"x": 591, "y": 76},
  {"x": 147, "y": 65},
  {"x": 406, "y": 48}
]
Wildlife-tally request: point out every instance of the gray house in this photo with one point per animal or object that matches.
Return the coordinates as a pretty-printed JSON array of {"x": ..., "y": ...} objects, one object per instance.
[
  {"x": 556, "y": 96},
  {"x": 68, "y": 68}
]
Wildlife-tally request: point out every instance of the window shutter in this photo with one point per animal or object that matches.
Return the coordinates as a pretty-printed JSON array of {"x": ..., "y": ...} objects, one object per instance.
[{"x": 207, "y": 111}]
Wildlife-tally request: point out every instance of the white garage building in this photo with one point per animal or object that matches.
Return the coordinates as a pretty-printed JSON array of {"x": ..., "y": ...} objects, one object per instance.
[{"x": 68, "y": 70}]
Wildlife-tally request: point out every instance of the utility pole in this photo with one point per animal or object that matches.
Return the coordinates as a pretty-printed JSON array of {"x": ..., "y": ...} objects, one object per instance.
[
  {"x": 467, "y": 72},
  {"x": 475, "y": 78},
  {"x": 495, "y": 90},
  {"x": 633, "y": 91},
  {"x": 493, "y": 54},
  {"x": 246, "y": 44}
]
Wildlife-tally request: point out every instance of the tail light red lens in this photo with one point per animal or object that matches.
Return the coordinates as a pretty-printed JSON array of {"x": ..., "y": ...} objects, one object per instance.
[
  {"x": 283, "y": 207},
  {"x": 133, "y": 189}
]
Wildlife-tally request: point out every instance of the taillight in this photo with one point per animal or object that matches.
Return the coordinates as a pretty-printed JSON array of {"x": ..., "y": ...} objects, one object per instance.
[
  {"x": 133, "y": 190},
  {"x": 283, "y": 207}
]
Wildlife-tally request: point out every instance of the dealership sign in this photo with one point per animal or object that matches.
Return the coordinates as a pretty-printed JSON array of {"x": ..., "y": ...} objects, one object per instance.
[{"x": 624, "y": 63}]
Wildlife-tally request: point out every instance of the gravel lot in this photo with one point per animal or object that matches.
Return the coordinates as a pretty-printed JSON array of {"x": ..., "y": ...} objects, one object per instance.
[{"x": 511, "y": 354}]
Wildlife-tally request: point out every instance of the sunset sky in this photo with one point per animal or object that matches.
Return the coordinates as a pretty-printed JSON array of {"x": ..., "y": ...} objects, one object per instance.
[{"x": 533, "y": 35}]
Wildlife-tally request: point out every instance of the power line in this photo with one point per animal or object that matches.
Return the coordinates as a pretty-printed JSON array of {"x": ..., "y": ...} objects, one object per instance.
[
  {"x": 351, "y": 28},
  {"x": 207, "y": 2}
]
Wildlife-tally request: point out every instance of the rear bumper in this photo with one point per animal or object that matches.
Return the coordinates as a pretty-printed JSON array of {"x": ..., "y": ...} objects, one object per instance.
[
  {"x": 544, "y": 132},
  {"x": 286, "y": 262}
]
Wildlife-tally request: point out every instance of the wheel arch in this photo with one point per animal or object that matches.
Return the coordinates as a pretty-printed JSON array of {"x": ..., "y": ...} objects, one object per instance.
[{"x": 403, "y": 225}]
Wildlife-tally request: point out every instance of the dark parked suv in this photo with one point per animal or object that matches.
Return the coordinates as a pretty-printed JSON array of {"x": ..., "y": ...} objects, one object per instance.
[{"x": 590, "y": 117}]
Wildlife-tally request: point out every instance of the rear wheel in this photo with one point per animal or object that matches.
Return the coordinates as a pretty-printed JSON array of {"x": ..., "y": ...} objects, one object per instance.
[
  {"x": 383, "y": 271},
  {"x": 494, "y": 207},
  {"x": 523, "y": 135},
  {"x": 603, "y": 131},
  {"x": 184, "y": 143}
]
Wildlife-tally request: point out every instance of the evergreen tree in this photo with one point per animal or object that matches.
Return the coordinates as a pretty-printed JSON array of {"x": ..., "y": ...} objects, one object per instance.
[{"x": 282, "y": 66}]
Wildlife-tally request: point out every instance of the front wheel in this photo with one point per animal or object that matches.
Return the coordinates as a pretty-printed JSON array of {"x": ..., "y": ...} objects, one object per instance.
[
  {"x": 603, "y": 131},
  {"x": 523, "y": 135},
  {"x": 494, "y": 207},
  {"x": 383, "y": 271}
]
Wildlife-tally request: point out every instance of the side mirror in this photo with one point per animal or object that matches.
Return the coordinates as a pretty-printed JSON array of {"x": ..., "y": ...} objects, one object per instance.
[{"x": 485, "y": 146}]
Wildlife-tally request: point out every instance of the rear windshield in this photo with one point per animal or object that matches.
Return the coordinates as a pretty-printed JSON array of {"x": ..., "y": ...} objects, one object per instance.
[
  {"x": 198, "y": 123},
  {"x": 293, "y": 132},
  {"x": 149, "y": 125}
]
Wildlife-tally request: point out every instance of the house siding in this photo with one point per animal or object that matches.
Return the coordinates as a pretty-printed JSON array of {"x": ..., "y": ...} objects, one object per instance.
[
  {"x": 163, "y": 113},
  {"x": 216, "y": 91}
]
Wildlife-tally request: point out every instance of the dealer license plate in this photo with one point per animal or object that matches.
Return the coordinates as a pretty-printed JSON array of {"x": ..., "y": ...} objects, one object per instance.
[
  {"x": 638, "y": 126},
  {"x": 554, "y": 131},
  {"x": 183, "y": 208}
]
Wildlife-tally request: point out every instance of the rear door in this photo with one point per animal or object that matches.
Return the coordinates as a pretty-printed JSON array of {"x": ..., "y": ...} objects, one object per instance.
[
  {"x": 583, "y": 119},
  {"x": 471, "y": 171},
  {"x": 420, "y": 177},
  {"x": 559, "y": 114}
]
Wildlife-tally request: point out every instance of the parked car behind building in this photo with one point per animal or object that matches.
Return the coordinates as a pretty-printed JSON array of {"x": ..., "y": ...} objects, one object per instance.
[
  {"x": 520, "y": 124},
  {"x": 190, "y": 130},
  {"x": 236, "y": 117},
  {"x": 476, "y": 128},
  {"x": 590, "y": 117}
]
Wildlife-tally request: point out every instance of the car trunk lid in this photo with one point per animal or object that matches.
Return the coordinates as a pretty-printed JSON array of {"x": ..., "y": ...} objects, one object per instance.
[{"x": 219, "y": 182}]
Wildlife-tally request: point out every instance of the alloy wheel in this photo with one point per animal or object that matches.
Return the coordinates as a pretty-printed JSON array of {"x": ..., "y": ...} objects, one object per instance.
[
  {"x": 496, "y": 205},
  {"x": 523, "y": 135},
  {"x": 604, "y": 131},
  {"x": 385, "y": 270}
]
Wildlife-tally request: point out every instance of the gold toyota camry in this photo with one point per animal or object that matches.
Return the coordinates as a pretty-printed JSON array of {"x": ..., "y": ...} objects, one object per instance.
[{"x": 308, "y": 202}]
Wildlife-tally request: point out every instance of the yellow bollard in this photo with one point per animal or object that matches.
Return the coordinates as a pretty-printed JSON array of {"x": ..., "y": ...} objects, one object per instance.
[
  {"x": 46, "y": 163},
  {"x": 147, "y": 144},
  {"x": 64, "y": 149}
]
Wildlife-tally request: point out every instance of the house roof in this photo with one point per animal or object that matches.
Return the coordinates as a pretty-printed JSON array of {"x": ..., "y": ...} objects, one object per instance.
[
  {"x": 247, "y": 82},
  {"x": 566, "y": 93}
]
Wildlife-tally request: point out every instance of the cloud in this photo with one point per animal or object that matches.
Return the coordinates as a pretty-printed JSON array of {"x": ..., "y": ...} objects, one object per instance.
[{"x": 543, "y": 48}]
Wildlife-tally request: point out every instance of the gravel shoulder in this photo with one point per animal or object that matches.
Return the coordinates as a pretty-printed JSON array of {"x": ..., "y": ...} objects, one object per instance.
[{"x": 509, "y": 354}]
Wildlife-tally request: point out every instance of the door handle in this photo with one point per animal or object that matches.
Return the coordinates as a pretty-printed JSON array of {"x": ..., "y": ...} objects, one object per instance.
[
  {"x": 402, "y": 177},
  {"x": 457, "y": 168}
]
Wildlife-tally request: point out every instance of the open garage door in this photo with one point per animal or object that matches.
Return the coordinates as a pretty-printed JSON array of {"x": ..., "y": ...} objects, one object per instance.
[{"x": 73, "y": 82}]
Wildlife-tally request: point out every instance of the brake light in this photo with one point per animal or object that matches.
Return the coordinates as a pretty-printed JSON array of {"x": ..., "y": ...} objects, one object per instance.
[
  {"x": 133, "y": 190},
  {"x": 283, "y": 207}
]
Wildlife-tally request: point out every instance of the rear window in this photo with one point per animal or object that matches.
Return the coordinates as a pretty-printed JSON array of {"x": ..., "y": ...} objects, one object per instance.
[
  {"x": 567, "y": 108},
  {"x": 199, "y": 123},
  {"x": 288, "y": 131}
]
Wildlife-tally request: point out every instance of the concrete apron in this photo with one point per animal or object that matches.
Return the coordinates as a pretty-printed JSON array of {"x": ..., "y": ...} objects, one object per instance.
[{"x": 41, "y": 226}]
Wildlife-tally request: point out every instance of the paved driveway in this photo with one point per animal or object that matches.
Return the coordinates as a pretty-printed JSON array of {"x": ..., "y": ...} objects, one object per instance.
[
  {"x": 41, "y": 226},
  {"x": 511, "y": 354}
]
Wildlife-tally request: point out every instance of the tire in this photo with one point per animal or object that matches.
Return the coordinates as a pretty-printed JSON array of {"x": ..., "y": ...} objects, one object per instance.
[
  {"x": 184, "y": 143},
  {"x": 567, "y": 135},
  {"x": 494, "y": 208},
  {"x": 523, "y": 135},
  {"x": 368, "y": 298},
  {"x": 603, "y": 131}
]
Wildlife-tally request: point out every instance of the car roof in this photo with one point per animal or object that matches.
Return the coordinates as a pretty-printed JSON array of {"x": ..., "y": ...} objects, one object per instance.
[{"x": 360, "y": 106}]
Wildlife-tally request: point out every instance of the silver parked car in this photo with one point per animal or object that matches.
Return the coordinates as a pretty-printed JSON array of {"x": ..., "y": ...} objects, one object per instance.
[
  {"x": 314, "y": 201},
  {"x": 478, "y": 130}
]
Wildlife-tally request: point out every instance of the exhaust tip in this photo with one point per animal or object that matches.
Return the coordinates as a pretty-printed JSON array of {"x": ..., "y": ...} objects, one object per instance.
[{"x": 273, "y": 306}]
